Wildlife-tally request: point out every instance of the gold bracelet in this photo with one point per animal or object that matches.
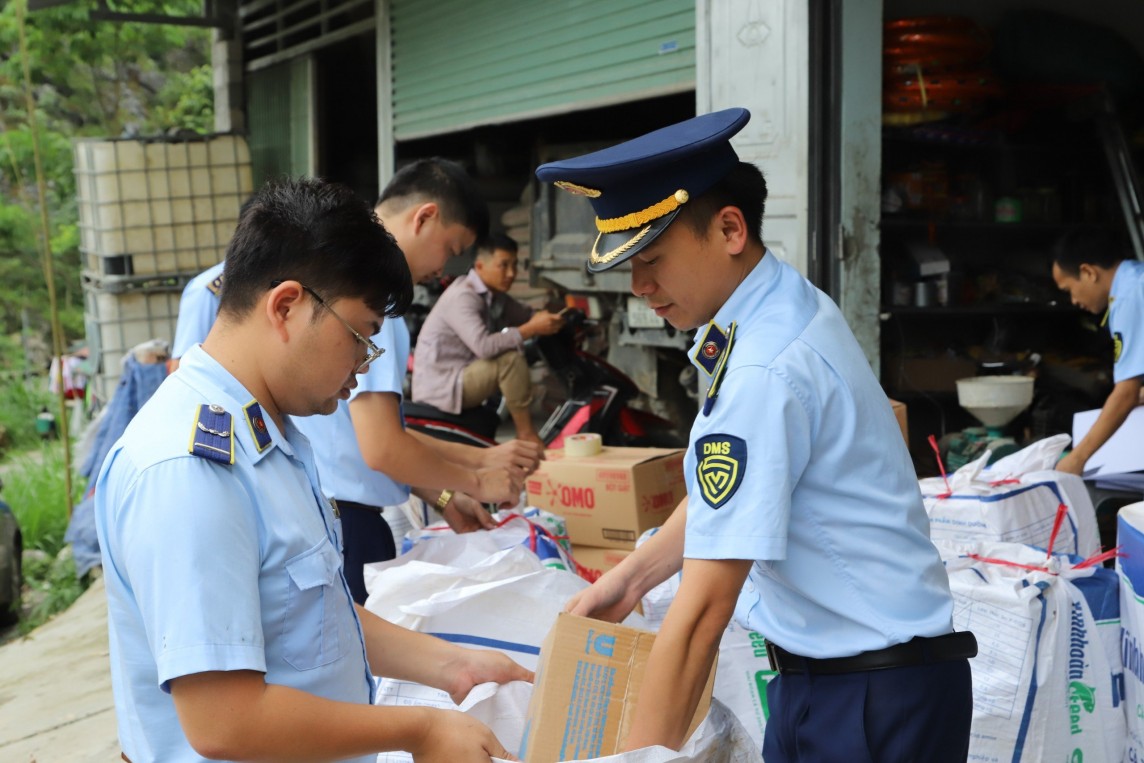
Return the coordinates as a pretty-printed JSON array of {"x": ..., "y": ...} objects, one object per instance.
[{"x": 443, "y": 499}]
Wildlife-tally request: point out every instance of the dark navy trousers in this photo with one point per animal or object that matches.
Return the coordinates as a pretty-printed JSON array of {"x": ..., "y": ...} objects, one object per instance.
[
  {"x": 366, "y": 538},
  {"x": 917, "y": 713}
]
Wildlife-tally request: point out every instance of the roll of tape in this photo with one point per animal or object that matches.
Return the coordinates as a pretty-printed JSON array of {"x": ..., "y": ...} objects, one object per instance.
[{"x": 579, "y": 445}]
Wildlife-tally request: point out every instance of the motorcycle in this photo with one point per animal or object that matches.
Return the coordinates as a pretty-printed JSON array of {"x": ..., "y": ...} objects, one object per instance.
[{"x": 599, "y": 400}]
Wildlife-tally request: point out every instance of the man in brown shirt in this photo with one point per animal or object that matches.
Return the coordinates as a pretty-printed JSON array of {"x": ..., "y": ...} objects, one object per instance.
[{"x": 470, "y": 344}]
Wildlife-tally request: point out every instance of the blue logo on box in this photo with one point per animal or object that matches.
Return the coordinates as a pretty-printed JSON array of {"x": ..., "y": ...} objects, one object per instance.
[{"x": 601, "y": 643}]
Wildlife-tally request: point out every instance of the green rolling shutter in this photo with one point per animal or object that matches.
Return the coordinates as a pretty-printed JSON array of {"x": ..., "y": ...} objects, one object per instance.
[
  {"x": 278, "y": 115},
  {"x": 462, "y": 63}
]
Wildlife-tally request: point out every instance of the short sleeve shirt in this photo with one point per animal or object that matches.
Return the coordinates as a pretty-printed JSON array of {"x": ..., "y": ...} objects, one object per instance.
[
  {"x": 212, "y": 567},
  {"x": 198, "y": 308},
  {"x": 344, "y": 473},
  {"x": 1126, "y": 320},
  {"x": 799, "y": 466}
]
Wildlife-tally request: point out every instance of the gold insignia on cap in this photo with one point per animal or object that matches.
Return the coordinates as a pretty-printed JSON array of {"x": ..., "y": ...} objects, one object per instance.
[
  {"x": 644, "y": 216},
  {"x": 602, "y": 259},
  {"x": 579, "y": 190}
]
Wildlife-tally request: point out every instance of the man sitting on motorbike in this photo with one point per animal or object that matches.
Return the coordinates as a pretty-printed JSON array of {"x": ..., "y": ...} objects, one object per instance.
[{"x": 470, "y": 344}]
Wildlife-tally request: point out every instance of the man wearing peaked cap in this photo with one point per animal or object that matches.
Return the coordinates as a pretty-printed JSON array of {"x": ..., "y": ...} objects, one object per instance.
[
  {"x": 803, "y": 516},
  {"x": 638, "y": 188}
]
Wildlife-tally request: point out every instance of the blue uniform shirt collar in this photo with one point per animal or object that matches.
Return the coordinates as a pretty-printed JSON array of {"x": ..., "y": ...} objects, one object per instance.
[
  {"x": 218, "y": 386},
  {"x": 762, "y": 279}
]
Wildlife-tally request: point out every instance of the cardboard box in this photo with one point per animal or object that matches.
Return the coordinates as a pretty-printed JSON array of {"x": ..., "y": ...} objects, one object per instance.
[
  {"x": 609, "y": 499},
  {"x": 587, "y": 685},
  {"x": 903, "y": 420},
  {"x": 599, "y": 560}
]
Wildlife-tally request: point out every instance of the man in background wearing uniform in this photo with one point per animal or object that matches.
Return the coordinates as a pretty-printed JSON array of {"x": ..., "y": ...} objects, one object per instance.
[
  {"x": 198, "y": 307},
  {"x": 472, "y": 343},
  {"x": 1089, "y": 265},
  {"x": 366, "y": 457},
  {"x": 233, "y": 634},
  {"x": 803, "y": 515}
]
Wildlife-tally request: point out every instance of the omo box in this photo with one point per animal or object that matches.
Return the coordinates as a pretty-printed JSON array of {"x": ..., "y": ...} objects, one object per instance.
[{"x": 610, "y": 498}]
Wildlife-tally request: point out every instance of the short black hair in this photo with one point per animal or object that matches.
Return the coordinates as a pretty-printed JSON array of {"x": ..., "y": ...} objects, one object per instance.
[
  {"x": 320, "y": 234},
  {"x": 499, "y": 240},
  {"x": 1088, "y": 245},
  {"x": 445, "y": 183},
  {"x": 743, "y": 187}
]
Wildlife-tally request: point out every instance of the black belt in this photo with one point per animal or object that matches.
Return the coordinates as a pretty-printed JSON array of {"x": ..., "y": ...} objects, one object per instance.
[
  {"x": 359, "y": 506},
  {"x": 917, "y": 651}
]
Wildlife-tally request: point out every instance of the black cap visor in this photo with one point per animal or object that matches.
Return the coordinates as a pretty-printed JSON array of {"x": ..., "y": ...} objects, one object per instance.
[{"x": 611, "y": 249}]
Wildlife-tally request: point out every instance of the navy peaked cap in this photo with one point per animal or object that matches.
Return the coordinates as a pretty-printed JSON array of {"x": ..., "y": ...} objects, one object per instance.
[{"x": 637, "y": 188}]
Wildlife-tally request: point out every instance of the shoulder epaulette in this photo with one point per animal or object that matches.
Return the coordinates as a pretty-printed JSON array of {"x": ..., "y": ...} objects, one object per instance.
[
  {"x": 212, "y": 437},
  {"x": 215, "y": 286}
]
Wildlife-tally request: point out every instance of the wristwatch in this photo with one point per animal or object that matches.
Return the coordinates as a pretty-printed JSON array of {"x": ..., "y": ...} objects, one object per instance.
[{"x": 443, "y": 499}]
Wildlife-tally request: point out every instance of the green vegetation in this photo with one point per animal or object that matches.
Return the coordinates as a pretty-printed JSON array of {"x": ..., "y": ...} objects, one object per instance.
[
  {"x": 34, "y": 488},
  {"x": 89, "y": 79},
  {"x": 54, "y": 580},
  {"x": 20, "y": 399}
]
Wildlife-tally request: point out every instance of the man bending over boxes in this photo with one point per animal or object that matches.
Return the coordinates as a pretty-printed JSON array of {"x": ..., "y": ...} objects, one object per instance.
[{"x": 803, "y": 516}]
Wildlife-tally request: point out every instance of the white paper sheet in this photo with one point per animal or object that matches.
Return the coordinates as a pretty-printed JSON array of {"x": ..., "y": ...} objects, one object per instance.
[{"x": 1124, "y": 451}]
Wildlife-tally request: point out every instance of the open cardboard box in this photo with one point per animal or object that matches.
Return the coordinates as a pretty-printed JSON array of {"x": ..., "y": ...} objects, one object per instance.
[
  {"x": 609, "y": 499},
  {"x": 587, "y": 685}
]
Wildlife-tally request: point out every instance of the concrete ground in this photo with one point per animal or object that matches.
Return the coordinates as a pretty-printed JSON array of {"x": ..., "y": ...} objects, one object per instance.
[{"x": 55, "y": 689}]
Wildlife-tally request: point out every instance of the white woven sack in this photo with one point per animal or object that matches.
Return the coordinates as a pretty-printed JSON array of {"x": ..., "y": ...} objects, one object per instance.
[
  {"x": 1130, "y": 538},
  {"x": 1044, "y": 683},
  {"x": 1016, "y": 500},
  {"x": 719, "y": 739}
]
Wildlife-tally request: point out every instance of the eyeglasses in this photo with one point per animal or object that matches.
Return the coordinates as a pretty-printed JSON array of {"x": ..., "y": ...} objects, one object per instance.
[{"x": 373, "y": 352}]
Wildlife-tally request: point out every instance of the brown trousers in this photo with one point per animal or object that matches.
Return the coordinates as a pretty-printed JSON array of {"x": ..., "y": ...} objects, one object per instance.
[{"x": 507, "y": 372}]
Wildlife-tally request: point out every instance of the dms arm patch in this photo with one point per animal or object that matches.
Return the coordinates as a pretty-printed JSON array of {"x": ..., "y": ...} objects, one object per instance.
[{"x": 721, "y": 462}]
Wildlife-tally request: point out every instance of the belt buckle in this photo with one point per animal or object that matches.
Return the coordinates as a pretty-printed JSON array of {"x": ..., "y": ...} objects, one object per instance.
[{"x": 773, "y": 658}]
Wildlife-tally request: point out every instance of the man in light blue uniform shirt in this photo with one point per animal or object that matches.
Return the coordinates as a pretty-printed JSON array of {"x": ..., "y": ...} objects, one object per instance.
[
  {"x": 232, "y": 631},
  {"x": 198, "y": 307},
  {"x": 367, "y": 459},
  {"x": 345, "y": 475},
  {"x": 803, "y": 517},
  {"x": 1089, "y": 266}
]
